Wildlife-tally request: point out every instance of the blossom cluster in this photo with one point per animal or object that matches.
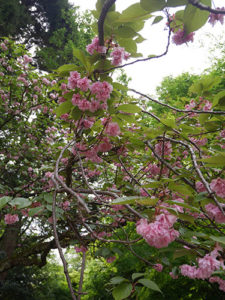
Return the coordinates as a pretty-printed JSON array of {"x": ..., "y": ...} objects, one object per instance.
[
  {"x": 159, "y": 233},
  {"x": 118, "y": 54},
  {"x": 100, "y": 92},
  {"x": 11, "y": 219},
  {"x": 206, "y": 266}
]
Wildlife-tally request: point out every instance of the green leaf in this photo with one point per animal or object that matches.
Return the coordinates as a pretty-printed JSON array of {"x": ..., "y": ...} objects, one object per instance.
[
  {"x": 153, "y": 5},
  {"x": 181, "y": 188},
  {"x": 79, "y": 54},
  {"x": 4, "y": 200},
  {"x": 220, "y": 239},
  {"x": 215, "y": 161},
  {"x": 149, "y": 284},
  {"x": 127, "y": 200},
  {"x": 157, "y": 19},
  {"x": 181, "y": 252},
  {"x": 127, "y": 118},
  {"x": 186, "y": 217},
  {"x": 117, "y": 280},
  {"x": 128, "y": 44},
  {"x": 174, "y": 3},
  {"x": 133, "y": 13},
  {"x": 125, "y": 32},
  {"x": 66, "y": 69},
  {"x": 63, "y": 108},
  {"x": 194, "y": 18},
  {"x": 137, "y": 275},
  {"x": 20, "y": 202},
  {"x": 35, "y": 211},
  {"x": 48, "y": 197},
  {"x": 170, "y": 122},
  {"x": 185, "y": 205},
  {"x": 129, "y": 108},
  {"x": 219, "y": 99},
  {"x": 122, "y": 291},
  {"x": 76, "y": 113}
]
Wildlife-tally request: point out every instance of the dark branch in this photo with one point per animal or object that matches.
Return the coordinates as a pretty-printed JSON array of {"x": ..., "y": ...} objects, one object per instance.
[{"x": 101, "y": 20}]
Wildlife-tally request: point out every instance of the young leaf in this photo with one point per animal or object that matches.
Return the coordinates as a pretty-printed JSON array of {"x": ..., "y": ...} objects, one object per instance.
[
  {"x": 117, "y": 280},
  {"x": 149, "y": 284},
  {"x": 4, "y": 200},
  {"x": 20, "y": 202},
  {"x": 152, "y": 5},
  {"x": 195, "y": 18},
  {"x": 129, "y": 108},
  {"x": 122, "y": 291}
]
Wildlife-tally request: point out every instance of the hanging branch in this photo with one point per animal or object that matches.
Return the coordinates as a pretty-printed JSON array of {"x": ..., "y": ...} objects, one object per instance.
[
  {"x": 141, "y": 59},
  {"x": 178, "y": 109},
  {"x": 201, "y": 6},
  {"x": 109, "y": 241}
]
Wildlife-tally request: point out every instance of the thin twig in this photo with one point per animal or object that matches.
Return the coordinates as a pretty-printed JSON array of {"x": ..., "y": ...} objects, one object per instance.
[
  {"x": 132, "y": 177},
  {"x": 169, "y": 166},
  {"x": 177, "y": 109}
]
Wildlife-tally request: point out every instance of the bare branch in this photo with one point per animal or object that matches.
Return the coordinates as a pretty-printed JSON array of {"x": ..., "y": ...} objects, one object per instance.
[
  {"x": 81, "y": 276},
  {"x": 69, "y": 190},
  {"x": 58, "y": 243}
]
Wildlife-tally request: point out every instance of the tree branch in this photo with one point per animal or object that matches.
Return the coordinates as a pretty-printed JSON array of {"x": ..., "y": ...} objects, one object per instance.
[{"x": 101, "y": 20}]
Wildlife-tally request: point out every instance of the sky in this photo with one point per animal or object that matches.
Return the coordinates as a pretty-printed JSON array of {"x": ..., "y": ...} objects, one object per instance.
[{"x": 193, "y": 57}]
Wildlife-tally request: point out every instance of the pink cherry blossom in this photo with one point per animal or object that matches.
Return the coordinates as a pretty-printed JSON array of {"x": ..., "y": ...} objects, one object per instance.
[
  {"x": 207, "y": 106},
  {"x": 27, "y": 59},
  {"x": 94, "y": 46},
  {"x": 76, "y": 99},
  {"x": 72, "y": 80},
  {"x": 83, "y": 84},
  {"x": 163, "y": 148},
  {"x": 118, "y": 54},
  {"x": 180, "y": 37},
  {"x": 200, "y": 187},
  {"x": 110, "y": 259},
  {"x": 105, "y": 145},
  {"x": 157, "y": 234},
  {"x": 214, "y": 212},
  {"x": 213, "y": 18},
  {"x": 189, "y": 271},
  {"x": 112, "y": 129},
  {"x": 11, "y": 219},
  {"x": 102, "y": 90},
  {"x": 218, "y": 186},
  {"x": 158, "y": 267},
  {"x": 80, "y": 249}
]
